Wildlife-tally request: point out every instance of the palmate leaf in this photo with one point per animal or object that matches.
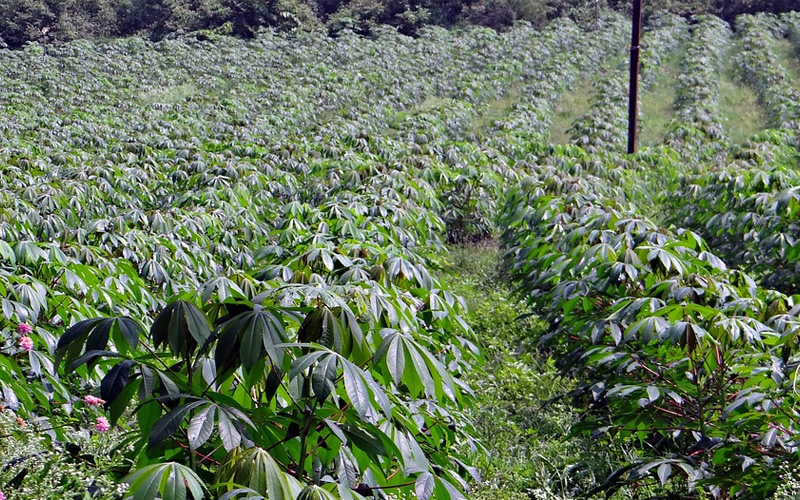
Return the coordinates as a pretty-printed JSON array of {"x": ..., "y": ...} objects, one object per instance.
[
  {"x": 201, "y": 427},
  {"x": 314, "y": 492},
  {"x": 247, "y": 337},
  {"x": 230, "y": 423},
  {"x": 7, "y": 254},
  {"x": 168, "y": 481},
  {"x": 182, "y": 326},
  {"x": 424, "y": 485},
  {"x": 33, "y": 296},
  {"x": 335, "y": 328},
  {"x": 410, "y": 363},
  {"x": 324, "y": 373},
  {"x": 224, "y": 287},
  {"x": 242, "y": 494},
  {"x": 92, "y": 335},
  {"x": 166, "y": 426},
  {"x": 257, "y": 470}
]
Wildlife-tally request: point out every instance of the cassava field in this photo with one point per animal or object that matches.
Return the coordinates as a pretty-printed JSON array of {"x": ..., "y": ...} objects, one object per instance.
[{"x": 302, "y": 267}]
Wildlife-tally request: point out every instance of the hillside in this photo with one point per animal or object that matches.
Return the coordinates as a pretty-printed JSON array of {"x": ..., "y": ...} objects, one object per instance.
[{"x": 296, "y": 266}]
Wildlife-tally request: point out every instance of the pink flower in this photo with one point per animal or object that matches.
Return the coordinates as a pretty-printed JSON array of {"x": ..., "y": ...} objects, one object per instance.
[
  {"x": 102, "y": 425},
  {"x": 26, "y": 344},
  {"x": 2, "y": 496},
  {"x": 93, "y": 400},
  {"x": 24, "y": 329}
]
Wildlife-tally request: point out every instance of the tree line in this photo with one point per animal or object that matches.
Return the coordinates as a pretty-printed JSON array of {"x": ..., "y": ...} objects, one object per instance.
[{"x": 23, "y": 21}]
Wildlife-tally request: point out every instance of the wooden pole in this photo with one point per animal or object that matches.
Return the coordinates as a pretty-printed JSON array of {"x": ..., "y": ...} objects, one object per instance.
[{"x": 633, "y": 94}]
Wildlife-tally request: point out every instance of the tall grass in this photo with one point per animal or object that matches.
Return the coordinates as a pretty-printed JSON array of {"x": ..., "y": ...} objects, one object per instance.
[
  {"x": 657, "y": 104},
  {"x": 523, "y": 411},
  {"x": 744, "y": 114},
  {"x": 571, "y": 105}
]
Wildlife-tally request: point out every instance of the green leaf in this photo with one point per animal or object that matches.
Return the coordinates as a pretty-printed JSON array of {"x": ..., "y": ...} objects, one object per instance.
[
  {"x": 423, "y": 486},
  {"x": 172, "y": 486},
  {"x": 117, "y": 408},
  {"x": 115, "y": 381},
  {"x": 252, "y": 341},
  {"x": 396, "y": 357},
  {"x": 653, "y": 393},
  {"x": 169, "y": 423},
  {"x": 356, "y": 389},
  {"x": 76, "y": 331},
  {"x": 73, "y": 339},
  {"x": 323, "y": 379},
  {"x": 363, "y": 439},
  {"x": 255, "y": 332},
  {"x": 230, "y": 435},
  {"x": 169, "y": 481},
  {"x": 255, "y": 468},
  {"x": 201, "y": 427},
  {"x": 300, "y": 364},
  {"x": 98, "y": 337},
  {"x": 770, "y": 438},
  {"x": 181, "y": 325},
  {"x": 314, "y": 492},
  {"x": 130, "y": 330},
  {"x": 664, "y": 471},
  {"x": 90, "y": 357}
]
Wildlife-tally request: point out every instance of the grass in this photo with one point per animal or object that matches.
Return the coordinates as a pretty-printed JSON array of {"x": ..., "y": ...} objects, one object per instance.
[
  {"x": 431, "y": 102},
  {"x": 570, "y": 107},
  {"x": 657, "y": 104},
  {"x": 743, "y": 113},
  {"x": 168, "y": 95},
  {"x": 789, "y": 58},
  {"x": 496, "y": 109},
  {"x": 519, "y": 416}
]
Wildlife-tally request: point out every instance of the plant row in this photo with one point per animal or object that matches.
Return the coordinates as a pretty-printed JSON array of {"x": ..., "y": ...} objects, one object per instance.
[
  {"x": 689, "y": 361},
  {"x": 221, "y": 253},
  {"x": 698, "y": 124},
  {"x": 761, "y": 68},
  {"x": 604, "y": 127},
  {"x": 745, "y": 207}
]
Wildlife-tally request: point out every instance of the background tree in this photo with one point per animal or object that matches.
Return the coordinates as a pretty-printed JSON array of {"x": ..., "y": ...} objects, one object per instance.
[{"x": 22, "y": 21}]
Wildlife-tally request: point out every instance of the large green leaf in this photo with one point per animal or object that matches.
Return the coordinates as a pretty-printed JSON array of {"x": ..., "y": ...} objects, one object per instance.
[
  {"x": 169, "y": 481},
  {"x": 182, "y": 326},
  {"x": 166, "y": 426}
]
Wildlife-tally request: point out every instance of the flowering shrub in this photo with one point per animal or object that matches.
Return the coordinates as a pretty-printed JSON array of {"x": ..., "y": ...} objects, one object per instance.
[
  {"x": 102, "y": 424},
  {"x": 25, "y": 343},
  {"x": 93, "y": 400}
]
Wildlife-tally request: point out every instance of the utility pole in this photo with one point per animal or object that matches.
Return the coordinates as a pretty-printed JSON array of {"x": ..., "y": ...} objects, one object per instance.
[
  {"x": 633, "y": 93},
  {"x": 597, "y": 14}
]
